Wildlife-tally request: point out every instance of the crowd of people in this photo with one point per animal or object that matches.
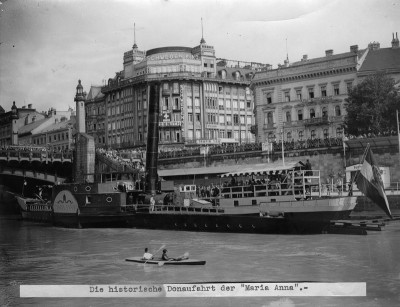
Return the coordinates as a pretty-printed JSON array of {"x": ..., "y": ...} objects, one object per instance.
[
  {"x": 309, "y": 143},
  {"x": 124, "y": 158}
]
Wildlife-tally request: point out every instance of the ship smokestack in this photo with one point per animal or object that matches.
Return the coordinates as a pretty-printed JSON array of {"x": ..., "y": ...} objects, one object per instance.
[{"x": 152, "y": 139}]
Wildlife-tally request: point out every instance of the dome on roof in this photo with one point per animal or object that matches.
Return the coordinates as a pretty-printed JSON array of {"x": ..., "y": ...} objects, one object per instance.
[{"x": 79, "y": 85}]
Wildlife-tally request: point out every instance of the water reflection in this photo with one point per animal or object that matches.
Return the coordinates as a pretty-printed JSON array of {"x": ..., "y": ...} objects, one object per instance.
[{"x": 33, "y": 254}]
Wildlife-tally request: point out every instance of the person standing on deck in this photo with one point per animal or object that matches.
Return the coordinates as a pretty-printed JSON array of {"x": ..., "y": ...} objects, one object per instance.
[{"x": 152, "y": 202}]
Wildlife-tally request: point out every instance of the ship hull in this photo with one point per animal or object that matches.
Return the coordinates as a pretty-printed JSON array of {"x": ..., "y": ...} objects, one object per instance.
[{"x": 291, "y": 223}]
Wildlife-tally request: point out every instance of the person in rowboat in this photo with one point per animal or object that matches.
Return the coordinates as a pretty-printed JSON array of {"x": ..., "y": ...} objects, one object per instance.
[
  {"x": 147, "y": 255},
  {"x": 166, "y": 258}
]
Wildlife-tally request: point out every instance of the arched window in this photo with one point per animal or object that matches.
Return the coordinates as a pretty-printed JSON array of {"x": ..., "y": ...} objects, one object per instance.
[
  {"x": 289, "y": 136},
  {"x": 301, "y": 135},
  {"x": 237, "y": 75},
  {"x": 313, "y": 135},
  {"x": 324, "y": 112},
  {"x": 326, "y": 134},
  {"x": 337, "y": 111},
  {"x": 223, "y": 74},
  {"x": 312, "y": 113},
  {"x": 300, "y": 114},
  {"x": 270, "y": 118},
  {"x": 288, "y": 117}
]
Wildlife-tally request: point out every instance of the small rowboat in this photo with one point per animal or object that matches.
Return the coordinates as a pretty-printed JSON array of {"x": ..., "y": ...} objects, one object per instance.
[{"x": 169, "y": 262}]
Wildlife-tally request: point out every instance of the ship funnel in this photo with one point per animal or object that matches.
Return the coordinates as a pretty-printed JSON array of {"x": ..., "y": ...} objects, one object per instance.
[{"x": 152, "y": 139}]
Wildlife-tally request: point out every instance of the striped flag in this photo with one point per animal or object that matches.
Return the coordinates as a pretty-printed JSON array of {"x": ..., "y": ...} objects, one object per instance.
[{"x": 369, "y": 181}]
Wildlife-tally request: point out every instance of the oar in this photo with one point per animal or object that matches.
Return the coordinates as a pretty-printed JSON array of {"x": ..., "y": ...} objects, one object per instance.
[
  {"x": 162, "y": 246},
  {"x": 185, "y": 255}
]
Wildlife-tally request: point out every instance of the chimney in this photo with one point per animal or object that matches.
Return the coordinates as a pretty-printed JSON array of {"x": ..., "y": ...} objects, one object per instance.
[
  {"x": 329, "y": 52},
  {"x": 395, "y": 42},
  {"x": 30, "y": 106},
  {"x": 354, "y": 48},
  {"x": 305, "y": 57},
  {"x": 374, "y": 46}
]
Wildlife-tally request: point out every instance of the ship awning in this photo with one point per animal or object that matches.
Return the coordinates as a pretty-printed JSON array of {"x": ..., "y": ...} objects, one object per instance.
[{"x": 263, "y": 169}]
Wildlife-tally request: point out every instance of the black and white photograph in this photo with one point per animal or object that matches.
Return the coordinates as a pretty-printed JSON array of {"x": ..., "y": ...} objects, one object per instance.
[{"x": 200, "y": 153}]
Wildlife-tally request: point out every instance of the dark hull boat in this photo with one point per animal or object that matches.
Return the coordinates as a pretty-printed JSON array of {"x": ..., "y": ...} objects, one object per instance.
[{"x": 80, "y": 206}]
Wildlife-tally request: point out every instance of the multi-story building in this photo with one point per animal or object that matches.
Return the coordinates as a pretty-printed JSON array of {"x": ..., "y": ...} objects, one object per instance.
[
  {"x": 12, "y": 121},
  {"x": 58, "y": 136},
  {"x": 202, "y": 99},
  {"x": 95, "y": 115},
  {"x": 306, "y": 99},
  {"x": 38, "y": 132}
]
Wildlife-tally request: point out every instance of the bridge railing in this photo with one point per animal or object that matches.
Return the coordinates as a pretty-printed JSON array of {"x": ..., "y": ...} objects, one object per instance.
[{"x": 42, "y": 156}]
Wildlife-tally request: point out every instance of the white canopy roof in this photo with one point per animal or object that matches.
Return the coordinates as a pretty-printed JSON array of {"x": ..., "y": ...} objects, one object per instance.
[{"x": 263, "y": 169}]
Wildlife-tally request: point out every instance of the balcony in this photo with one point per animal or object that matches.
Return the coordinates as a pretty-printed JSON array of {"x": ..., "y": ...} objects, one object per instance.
[
  {"x": 269, "y": 126},
  {"x": 316, "y": 121}
]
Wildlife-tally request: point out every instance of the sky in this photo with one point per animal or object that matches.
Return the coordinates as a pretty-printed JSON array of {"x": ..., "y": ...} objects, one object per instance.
[{"x": 47, "y": 46}]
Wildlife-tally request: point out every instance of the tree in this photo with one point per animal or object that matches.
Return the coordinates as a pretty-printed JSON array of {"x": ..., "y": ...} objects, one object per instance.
[{"x": 371, "y": 107}]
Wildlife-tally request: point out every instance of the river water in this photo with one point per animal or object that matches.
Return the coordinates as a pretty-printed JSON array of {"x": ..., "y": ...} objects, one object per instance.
[{"x": 33, "y": 254}]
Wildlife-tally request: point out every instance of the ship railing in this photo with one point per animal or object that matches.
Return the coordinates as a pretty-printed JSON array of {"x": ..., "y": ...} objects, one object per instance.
[
  {"x": 185, "y": 210},
  {"x": 301, "y": 183},
  {"x": 306, "y": 182}
]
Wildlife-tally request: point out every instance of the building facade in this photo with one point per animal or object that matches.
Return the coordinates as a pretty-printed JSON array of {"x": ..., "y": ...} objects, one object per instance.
[
  {"x": 95, "y": 115},
  {"x": 306, "y": 99},
  {"x": 203, "y": 100}
]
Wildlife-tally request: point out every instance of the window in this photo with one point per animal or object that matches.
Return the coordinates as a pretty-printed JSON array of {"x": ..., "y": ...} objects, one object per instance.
[
  {"x": 298, "y": 94},
  {"x": 205, "y": 64},
  {"x": 300, "y": 115},
  {"x": 313, "y": 134},
  {"x": 312, "y": 113},
  {"x": 198, "y": 117},
  {"x": 271, "y": 137},
  {"x": 349, "y": 86},
  {"x": 289, "y": 136},
  {"x": 176, "y": 103},
  {"x": 288, "y": 117},
  {"x": 222, "y": 119},
  {"x": 236, "y": 119},
  {"x": 287, "y": 96},
  {"x": 324, "y": 112},
  {"x": 336, "y": 89},
  {"x": 337, "y": 111},
  {"x": 223, "y": 74},
  {"x": 270, "y": 118},
  {"x": 323, "y": 91},
  {"x": 241, "y": 103},
  {"x": 242, "y": 121},
  {"x": 269, "y": 98},
  {"x": 301, "y": 135},
  {"x": 189, "y": 102},
  {"x": 339, "y": 132},
  {"x": 197, "y": 102},
  {"x": 165, "y": 103},
  {"x": 311, "y": 92},
  {"x": 190, "y": 117},
  {"x": 326, "y": 134},
  {"x": 235, "y": 104},
  {"x": 190, "y": 134}
]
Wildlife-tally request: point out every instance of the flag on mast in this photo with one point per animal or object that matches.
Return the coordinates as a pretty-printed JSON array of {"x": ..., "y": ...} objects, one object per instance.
[{"x": 369, "y": 181}]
